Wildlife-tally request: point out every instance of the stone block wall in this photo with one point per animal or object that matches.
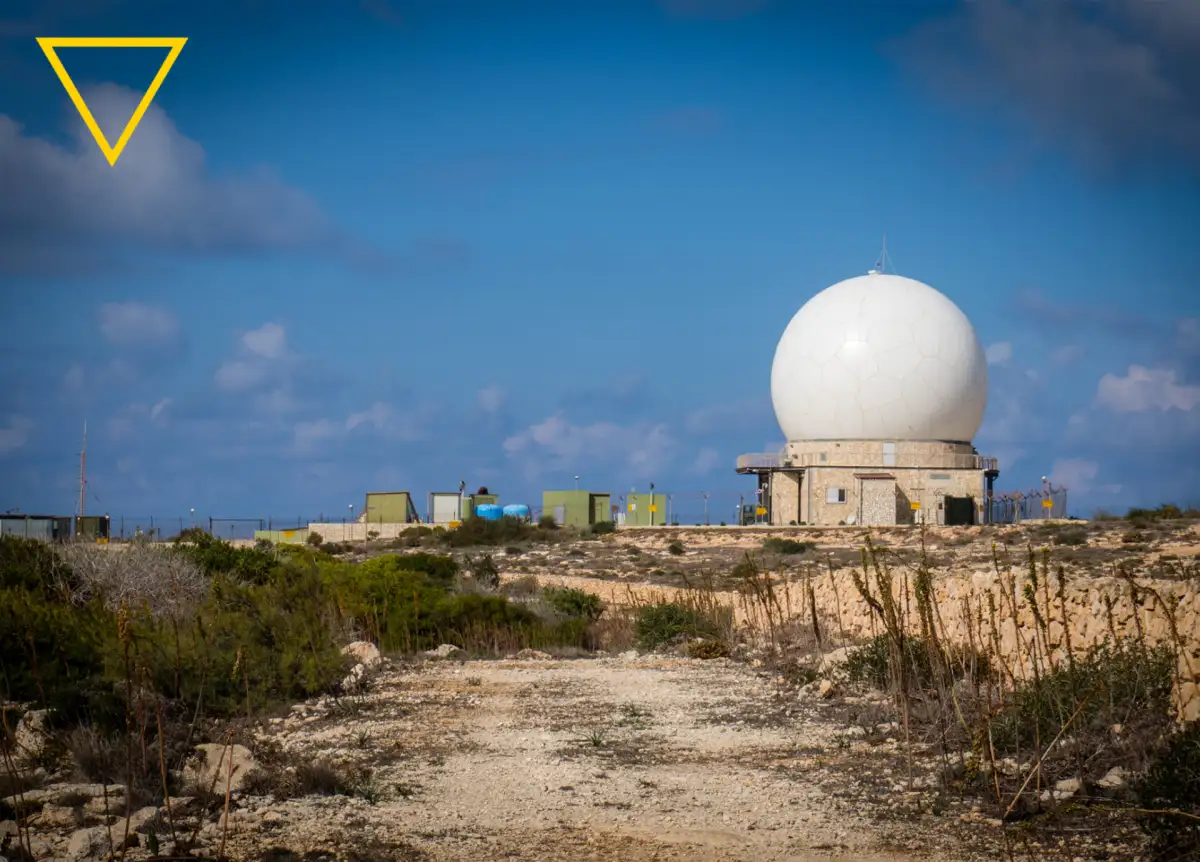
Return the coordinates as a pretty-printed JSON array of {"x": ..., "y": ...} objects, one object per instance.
[
  {"x": 1093, "y": 610},
  {"x": 873, "y": 454},
  {"x": 357, "y": 532},
  {"x": 926, "y": 486}
]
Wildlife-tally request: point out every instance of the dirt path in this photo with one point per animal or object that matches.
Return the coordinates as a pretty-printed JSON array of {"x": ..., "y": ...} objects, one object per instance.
[{"x": 614, "y": 758}]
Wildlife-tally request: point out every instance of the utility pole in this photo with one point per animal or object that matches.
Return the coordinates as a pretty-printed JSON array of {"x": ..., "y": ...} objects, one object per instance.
[{"x": 83, "y": 472}]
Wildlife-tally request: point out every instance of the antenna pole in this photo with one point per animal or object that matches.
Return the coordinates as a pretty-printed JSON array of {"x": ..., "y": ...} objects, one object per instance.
[
  {"x": 83, "y": 473},
  {"x": 883, "y": 257}
]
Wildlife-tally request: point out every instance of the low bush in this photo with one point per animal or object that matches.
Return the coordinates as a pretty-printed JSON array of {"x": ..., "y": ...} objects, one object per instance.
[
  {"x": 1169, "y": 796},
  {"x": 664, "y": 623},
  {"x": 1071, "y": 536},
  {"x": 602, "y": 528},
  {"x": 675, "y": 548},
  {"x": 479, "y": 532},
  {"x": 776, "y": 545},
  {"x": 574, "y": 603},
  {"x": 1127, "y": 684},
  {"x": 871, "y": 664}
]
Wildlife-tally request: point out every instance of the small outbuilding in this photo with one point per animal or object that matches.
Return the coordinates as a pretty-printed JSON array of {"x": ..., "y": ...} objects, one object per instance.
[
  {"x": 646, "y": 510},
  {"x": 45, "y": 528},
  {"x": 390, "y": 507},
  {"x": 577, "y": 508}
]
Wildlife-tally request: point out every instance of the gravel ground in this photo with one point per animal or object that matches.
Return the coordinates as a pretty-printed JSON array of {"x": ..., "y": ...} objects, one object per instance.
[{"x": 631, "y": 758}]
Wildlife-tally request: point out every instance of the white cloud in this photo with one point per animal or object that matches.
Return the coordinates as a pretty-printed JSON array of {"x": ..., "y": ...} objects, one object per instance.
[
  {"x": 15, "y": 434},
  {"x": 269, "y": 340},
  {"x": 387, "y": 420},
  {"x": 376, "y": 416},
  {"x": 307, "y": 435},
  {"x": 132, "y": 323},
  {"x": 491, "y": 399},
  {"x": 75, "y": 378},
  {"x": 1066, "y": 354},
  {"x": 706, "y": 461},
  {"x": 263, "y": 356},
  {"x": 999, "y": 353},
  {"x": 556, "y": 442},
  {"x": 131, "y": 417},
  {"x": 159, "y": 195},
  {"x": 746, "y": 415},
  {"x": 1077, "y": 474},
  {"x": 1142, "y": 389},
  {"x": 239, "y": 375}
]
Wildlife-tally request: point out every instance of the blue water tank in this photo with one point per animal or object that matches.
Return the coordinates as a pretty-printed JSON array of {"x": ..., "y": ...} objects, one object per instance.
[
  {"x": 489, "y": 512},
  {"x": 516, "y": 510}
]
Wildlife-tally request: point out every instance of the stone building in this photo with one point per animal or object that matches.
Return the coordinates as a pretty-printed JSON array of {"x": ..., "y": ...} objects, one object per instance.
[{"x": 879, "y": 384}]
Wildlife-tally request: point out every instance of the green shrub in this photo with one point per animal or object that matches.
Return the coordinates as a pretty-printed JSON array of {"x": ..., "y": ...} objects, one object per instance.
[
  {"x": 485, "y": 572},
  {"x": 1128, "y": 680},
  {"x": 217, "y": 557},
  {"x": 675, "y": 548},
  {"x": 777, "y": 545},
  {"x": 1172, "y": 784},
  {"x": 52, "y": 650},
  {"x": 574, "y": 603},
  {"x": 479, "y": 532},
  {"x": 871, "y": 663},
  {"x": 668, "y": 622},
  {"x": 602, "y": 528},
  {"x": 1072, "y": 536}
]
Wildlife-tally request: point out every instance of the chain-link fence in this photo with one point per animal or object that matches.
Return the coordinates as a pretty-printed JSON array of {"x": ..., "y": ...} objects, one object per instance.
[{"x": 1036, "y": 504}]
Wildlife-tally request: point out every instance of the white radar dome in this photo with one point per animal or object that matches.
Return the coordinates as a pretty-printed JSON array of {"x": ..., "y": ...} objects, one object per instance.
[{"x": 879, "y": 357}]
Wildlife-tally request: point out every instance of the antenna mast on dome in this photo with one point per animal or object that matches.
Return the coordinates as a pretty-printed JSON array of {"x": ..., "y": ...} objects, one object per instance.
[{"x": 882, "y": 263}]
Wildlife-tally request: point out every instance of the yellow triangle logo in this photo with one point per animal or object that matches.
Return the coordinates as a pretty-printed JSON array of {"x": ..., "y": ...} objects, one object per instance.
[{"x": 50, "y": 45}]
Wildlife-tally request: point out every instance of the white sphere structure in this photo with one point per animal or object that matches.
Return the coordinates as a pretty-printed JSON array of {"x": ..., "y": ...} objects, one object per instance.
[{"x": 879, "y": 357}]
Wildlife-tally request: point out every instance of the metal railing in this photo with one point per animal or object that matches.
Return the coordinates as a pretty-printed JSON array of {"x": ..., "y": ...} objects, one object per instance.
[{"x": 760, "y": 461}]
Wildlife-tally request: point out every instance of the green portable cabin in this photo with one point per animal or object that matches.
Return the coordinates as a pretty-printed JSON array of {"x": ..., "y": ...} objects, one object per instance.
[
  {"x": 646, "y": 510},
  {"x": 298, "y": 536},
  {"x": 93, "y": 528},
  {"x": 390, "y": 507},
  {"x": 576, "y": 508}
]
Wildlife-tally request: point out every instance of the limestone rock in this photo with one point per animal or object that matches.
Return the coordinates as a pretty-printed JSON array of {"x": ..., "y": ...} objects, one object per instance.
[
  {"x": 445, "y": 651},
  {"x": 58, "y": 817},
  {"x": 827, "y": 689},
  {"x": 1062, "y": 790},
  {"x": 363, "y": 652},
  {"x": 535, "y": 655},
  {"x": 835, "y": 658},
  {"x": 357, "y": 679},
  {"x": 211, "y": 767},
  {"x": 93, "y": 843},
  {"x": 32, "y": 734},
  {"x": 1114, "y": 779}
]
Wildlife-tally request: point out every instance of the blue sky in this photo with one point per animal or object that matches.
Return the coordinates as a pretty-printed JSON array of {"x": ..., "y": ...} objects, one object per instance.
[{"x": 389, "y": 245}]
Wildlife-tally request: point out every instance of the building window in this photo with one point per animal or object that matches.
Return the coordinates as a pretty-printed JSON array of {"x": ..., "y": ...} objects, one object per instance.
[
  {"x": 835, "y": 495},
  {"x": 939, "y": 477},
  {"x": 824, "y": 457}
]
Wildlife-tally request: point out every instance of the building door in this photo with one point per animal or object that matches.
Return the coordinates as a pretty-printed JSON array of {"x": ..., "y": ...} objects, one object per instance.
[
  {"x": 960, "y": 511},
  {"x": 560, "y": 514},
  {"x": 445, "y": 508}
]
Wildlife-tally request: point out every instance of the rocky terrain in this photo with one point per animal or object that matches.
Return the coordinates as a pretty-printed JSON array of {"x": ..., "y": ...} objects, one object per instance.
[
  {"x": 631, "y": 757},
  {"x": 607, "y": 755}
]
